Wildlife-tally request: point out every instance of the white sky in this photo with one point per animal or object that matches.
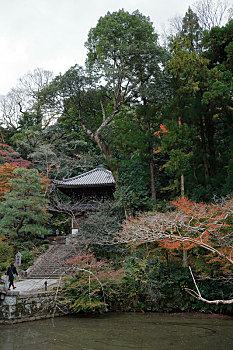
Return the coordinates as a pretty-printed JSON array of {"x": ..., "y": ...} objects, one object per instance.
[{"x": 50, "y": 34}]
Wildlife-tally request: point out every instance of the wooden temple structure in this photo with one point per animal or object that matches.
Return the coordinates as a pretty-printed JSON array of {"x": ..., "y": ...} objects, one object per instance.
[{"x": 86, "y": 192}]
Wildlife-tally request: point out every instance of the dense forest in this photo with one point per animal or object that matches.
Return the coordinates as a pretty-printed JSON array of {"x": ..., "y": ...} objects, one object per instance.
[{"x": 160, "y": 117}]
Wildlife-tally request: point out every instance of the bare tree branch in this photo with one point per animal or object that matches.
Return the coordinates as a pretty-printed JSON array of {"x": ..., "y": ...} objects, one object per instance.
[{"x": 197, "y": 295}]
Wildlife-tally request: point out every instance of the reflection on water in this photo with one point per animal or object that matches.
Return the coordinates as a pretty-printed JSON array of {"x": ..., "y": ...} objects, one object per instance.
[{"x": 120, "y": 331}]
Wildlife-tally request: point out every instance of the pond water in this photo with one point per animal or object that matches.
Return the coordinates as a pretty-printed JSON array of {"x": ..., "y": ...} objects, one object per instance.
[{"x": 121, "y": 331}]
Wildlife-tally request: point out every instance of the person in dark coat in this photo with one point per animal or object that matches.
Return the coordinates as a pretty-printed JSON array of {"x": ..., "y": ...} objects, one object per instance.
[{"x": 12, "y": 272}]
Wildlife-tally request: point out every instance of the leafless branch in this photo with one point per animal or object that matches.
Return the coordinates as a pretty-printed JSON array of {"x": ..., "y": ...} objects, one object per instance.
[{"x": 197, "y": 295}]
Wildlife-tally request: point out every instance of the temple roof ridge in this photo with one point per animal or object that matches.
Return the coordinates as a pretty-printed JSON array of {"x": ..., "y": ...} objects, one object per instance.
[{"x": 94, "y": 177}]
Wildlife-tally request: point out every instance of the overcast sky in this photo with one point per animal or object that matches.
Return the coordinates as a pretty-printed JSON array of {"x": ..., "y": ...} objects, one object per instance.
[{"x": 50, "y": 34}]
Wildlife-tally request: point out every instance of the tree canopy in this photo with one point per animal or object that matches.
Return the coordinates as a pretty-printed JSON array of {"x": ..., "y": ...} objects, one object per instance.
[{"x": 23, "y": 211}]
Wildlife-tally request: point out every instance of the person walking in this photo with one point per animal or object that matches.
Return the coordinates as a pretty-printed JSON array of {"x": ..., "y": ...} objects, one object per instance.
[{"x": 12, "y": 272}]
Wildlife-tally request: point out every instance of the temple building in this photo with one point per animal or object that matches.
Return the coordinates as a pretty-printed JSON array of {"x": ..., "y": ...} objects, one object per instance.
[{"x": 87, "y": 191}]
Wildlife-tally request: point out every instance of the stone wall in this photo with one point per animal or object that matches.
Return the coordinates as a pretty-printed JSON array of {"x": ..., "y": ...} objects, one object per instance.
[{"x": 15, "y": 307}]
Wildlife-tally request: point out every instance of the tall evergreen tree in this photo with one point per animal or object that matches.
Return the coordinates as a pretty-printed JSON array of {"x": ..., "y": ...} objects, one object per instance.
[
  {"x": 201, "y": 103},
  {"x": 24, "y": 213}
]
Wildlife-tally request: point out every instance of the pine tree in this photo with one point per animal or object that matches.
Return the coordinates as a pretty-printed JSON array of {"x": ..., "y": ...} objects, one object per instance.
[{"x": 24, "y": 213}]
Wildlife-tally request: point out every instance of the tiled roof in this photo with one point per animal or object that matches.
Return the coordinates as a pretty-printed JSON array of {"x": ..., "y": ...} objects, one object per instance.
[{"x": 95, "y": 177}]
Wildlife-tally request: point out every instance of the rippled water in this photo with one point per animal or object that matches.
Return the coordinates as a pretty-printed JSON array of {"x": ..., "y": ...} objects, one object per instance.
[{"x": 121, "y": 331}]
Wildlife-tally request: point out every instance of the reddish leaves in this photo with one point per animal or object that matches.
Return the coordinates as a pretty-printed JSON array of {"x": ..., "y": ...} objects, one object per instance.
[
  {"x": 190, "y": 224},
  {"x": 161, "y": 131},
  {"x": 8, "y": 155}
]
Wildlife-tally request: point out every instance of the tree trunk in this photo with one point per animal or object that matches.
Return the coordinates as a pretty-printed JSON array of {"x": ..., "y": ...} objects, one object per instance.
[
  {"x": 210, "y": 131},
  {"x": 19, "y": 225},
  {"x": 152, "y": 180},
  {"x": 185, "y": 253},
  {"x": 128, "y": 213},
  {"x": 182, "y": 186},
  {"x": 182, "y": 175},
  {"x": 152, "y": 174},
  {"x": 102, "y": 146},
  {"x": 203, "y": 147},
  {"x": 3, "y": 141}
]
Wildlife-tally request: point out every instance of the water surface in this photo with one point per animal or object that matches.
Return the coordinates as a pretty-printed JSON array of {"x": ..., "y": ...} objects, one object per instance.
[{"x": 121, "y": 331}]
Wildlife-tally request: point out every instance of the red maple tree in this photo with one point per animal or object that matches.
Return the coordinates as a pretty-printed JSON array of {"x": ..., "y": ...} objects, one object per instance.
[
  {"x": 9, "y": 161},
  {"x": 191, "y": 224},
  {"x": 8, "y": 155}
]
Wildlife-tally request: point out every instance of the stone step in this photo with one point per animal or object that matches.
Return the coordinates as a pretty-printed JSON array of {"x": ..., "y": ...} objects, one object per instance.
[
  {"x": 44, "y": 277},
  {"x": 53, "y": 262}
]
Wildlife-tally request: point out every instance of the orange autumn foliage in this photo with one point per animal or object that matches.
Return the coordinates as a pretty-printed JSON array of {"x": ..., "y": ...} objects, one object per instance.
[
  {"x": 45, "y": 181},
  {"x": 176, "y": 245},
  {"x": 6, "y": 174},
  {"x": 188, "y": 225},
  {"x": 161, "y": 131}
]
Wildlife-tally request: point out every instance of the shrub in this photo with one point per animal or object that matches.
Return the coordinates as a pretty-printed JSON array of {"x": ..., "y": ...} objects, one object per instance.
[
  {"x": 27, "y": 257},
  {"x": 98, "y": 230},
  {"x": 6, "y": 255},
  {"x": 90, "y": 285}
]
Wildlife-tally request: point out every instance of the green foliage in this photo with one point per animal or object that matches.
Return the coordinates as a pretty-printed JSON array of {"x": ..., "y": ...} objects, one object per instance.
[
  {"x": 201, "y": 102},
  {"x": 155, "y": 281},
  {"x": 150, "y": 284},
  {"x": 6, "y": 255},
  {"x": 27, "y": 258},
  {"x": 134, "y": 184},
  {"x": 141, "y": 289},
  {"x": 125, "y": 74},
  {"x": 178, "y": 143},
  {"x": 191, "y": 29},
  {"x": 122, "y": 44},
  {"x": 218, "y": 46},
  {"x": 24, "y": 211},
  {"x": 60, "y": 222}
]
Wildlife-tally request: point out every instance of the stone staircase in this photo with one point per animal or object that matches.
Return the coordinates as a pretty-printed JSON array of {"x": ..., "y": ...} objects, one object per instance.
[{"x": 52, "y": 263}]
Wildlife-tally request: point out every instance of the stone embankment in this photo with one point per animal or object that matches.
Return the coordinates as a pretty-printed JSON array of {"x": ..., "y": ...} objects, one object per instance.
[
  {"x": 30, "y": 302},
  {"x": 20, "y": 308}
]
